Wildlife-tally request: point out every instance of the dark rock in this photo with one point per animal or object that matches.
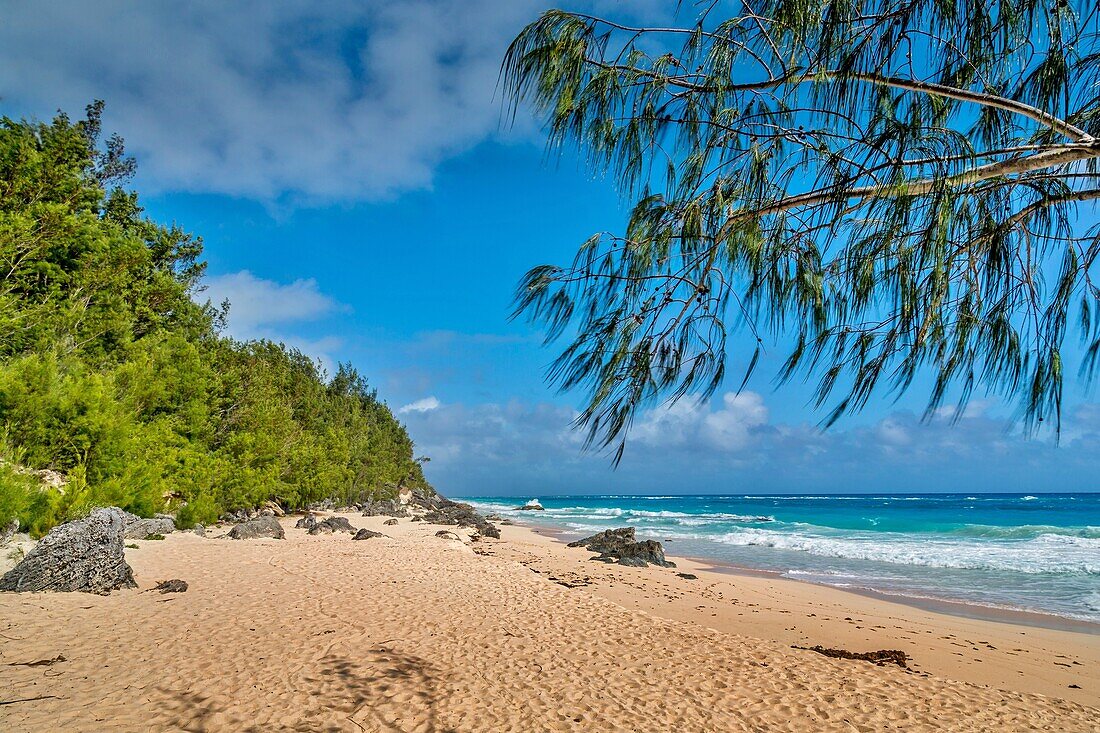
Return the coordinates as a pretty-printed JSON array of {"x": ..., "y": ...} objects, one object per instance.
[
  {"x": 687, "y": 576},
  {"x": 258, "y": 527},
  {"x": 366, "y": 534},
  {"x": 171, "y": 586},
  {"x": 9, "y": 531},
  {"x": 385, "y": 508},
  {"x": 85, "y": 555},
  {"x": 881, "y": 657},
  {"x": 448, "y": 535},
  {"x": 416, "y": 519},
  {"x": 238, "y": 516},
  {"x": 307, "y": 522},
  {"x": 463, "y": 515},
  {"x": 390, "y": 522},
  {"x": 425, "y": 499},
  {"x": 332, "y": 524},
  {"x": 139, "y": 529},
  {"x": 531, "y": 506},
  {"x": 620, "y": 544},
  {"x": 199, "y": 530}
]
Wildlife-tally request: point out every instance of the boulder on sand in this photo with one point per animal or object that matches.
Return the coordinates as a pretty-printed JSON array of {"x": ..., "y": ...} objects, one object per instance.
[
  {"x": 463, "y": 515},
  {"x": 619, "y": 545},
  {"x": 384, "y": 508},
  {"x": 257, "y": 528},
  {"x": 85, "y": 555},
  {"x": 366, "y": 534},
  {"x": 307, "y": 522},
  {"x": 138, "y": 528},
  {"x": 332, "y": 524},
  {"x": 390, "y": 522}
]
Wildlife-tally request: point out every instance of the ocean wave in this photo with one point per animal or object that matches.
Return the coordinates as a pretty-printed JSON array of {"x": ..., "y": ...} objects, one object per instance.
[
  {"x": 1047, "y": 553},
  {"x": 1023, "y": 531}
]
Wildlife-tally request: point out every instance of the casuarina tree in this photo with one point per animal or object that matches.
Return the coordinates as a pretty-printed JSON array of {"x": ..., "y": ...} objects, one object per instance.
[{"x": 884, "y": 189}]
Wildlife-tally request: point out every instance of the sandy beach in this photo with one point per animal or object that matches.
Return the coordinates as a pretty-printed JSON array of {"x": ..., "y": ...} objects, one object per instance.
[{"x": 414, "y": 632}]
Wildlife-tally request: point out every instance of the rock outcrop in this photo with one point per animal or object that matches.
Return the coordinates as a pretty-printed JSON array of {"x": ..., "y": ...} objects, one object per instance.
[
  {"x": 85, "y": 555},
  {"x": 332, "y": 524},
  {"x": 385, "y": 508},
  {"x": 366, "y": 534},
  {"x": 620, "y": 545},
  {"x": 9, "y": 531},
  {"x": 138, "y": 528},
  {"x": 257, "y": 528},
  {"x": 463, "y": 515},
  {"x": 532, "y": 505},
  {"x": 175, "y": 585},
  {"x": 308, "y": 522}
]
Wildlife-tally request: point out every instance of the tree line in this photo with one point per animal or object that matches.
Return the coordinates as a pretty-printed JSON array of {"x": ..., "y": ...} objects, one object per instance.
[{"x": 113, "y": 374}]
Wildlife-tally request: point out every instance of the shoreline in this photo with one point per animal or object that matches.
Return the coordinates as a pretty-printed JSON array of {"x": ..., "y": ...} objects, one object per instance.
[
  {"x": 416, "y": 631},
  {"x": 952, "y": 607}
]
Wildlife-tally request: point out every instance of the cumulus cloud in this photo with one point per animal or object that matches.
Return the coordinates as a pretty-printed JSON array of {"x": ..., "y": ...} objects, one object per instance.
[
  {"x": 731, "y": 445},
  {"x": 344, "y": 100},
  {"x": 257, "y": 304},
  {"x": 727, "y": 428},
  {"x": 341, "y": 100},
  {"x": 267, "y": 309},
  {"x": 423, "y": 405}
]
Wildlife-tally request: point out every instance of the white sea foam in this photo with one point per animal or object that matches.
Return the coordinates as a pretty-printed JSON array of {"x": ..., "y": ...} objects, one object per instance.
[{"x": 1047, "y": 553}]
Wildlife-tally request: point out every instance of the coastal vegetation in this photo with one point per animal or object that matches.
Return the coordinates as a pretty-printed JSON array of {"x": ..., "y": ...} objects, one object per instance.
[
  {"x": 115, "y": 380},
  {"x": 893, "y": 193}
]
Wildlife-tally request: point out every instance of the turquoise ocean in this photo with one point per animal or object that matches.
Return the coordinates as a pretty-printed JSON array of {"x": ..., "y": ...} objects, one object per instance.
[{"x": 1037, "y": 553}]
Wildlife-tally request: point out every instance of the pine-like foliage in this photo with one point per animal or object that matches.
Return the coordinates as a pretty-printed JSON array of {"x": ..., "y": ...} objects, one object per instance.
[
  {"x": 892, "y": 187},
  {"x": 113, "y": 375}
]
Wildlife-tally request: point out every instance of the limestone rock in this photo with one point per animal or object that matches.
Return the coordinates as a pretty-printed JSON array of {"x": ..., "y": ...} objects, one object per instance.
[
  {"x": 619, "y": 545},
  {"x": 332, "y": 524},
  {"x": 258, "y": 527},
  {"x": 85, "y": 555},
  {"x": 138, "y": 528},
  {"x": 384, "y": 508}
]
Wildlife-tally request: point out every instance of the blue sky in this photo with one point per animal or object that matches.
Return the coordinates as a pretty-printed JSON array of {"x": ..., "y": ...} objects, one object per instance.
[{"x": 360, "y": 200}]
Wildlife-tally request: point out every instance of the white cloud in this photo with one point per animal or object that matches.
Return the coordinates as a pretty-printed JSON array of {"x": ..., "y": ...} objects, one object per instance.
[
  {"x": 257, "y": 304},
  {"x": 729, "y": 428},
  {"x": 267, "y": 309},
  {"x": 730, "y": 445},
  {"x": 426, "y": 404},
  {"x": 334, "y": 101}
]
